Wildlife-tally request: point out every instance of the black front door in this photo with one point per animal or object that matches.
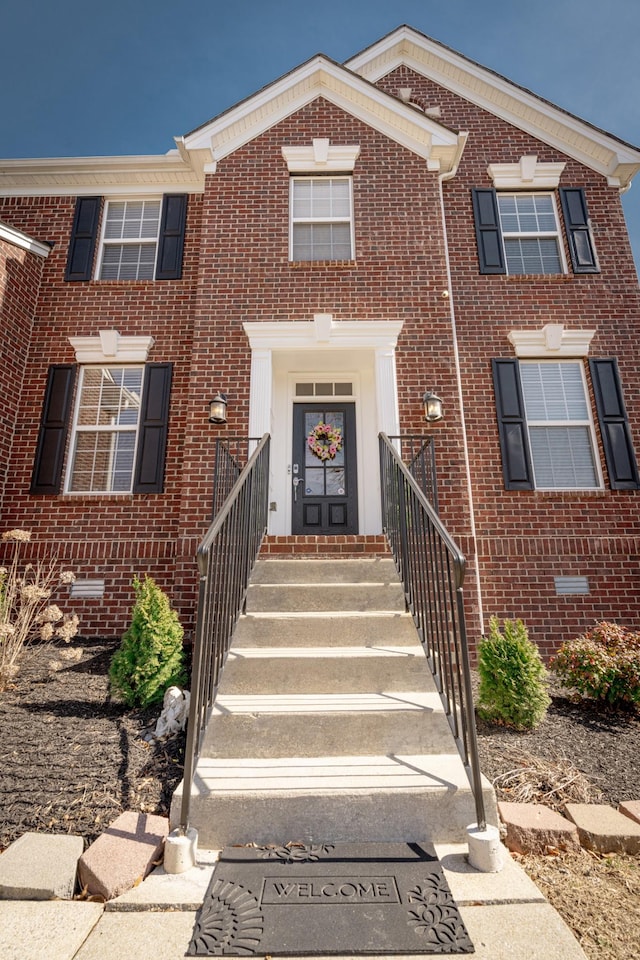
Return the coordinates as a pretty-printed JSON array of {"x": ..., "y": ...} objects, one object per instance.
[{"x": 325, "y": 494}]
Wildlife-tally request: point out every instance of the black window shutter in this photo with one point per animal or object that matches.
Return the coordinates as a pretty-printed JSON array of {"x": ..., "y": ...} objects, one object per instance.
[
  {"x": 171, "y": 240},
  {"x": 54, "y": 425},
  {"x": 488, "y": 233},
  {"x": 614, "y": 425},
  {"x": 576, "y": 221},
  {"x": 83, "y": 238},
  {"x": 512, "y": 425},
  {"x": 154, "y": 421}
]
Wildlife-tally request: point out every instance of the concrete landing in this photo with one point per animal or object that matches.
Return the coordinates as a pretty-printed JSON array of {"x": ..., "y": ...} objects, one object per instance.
[{"x": 505, "y": 914}]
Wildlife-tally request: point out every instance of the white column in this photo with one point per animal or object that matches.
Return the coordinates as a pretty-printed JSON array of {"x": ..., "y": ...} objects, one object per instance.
[
  {"x": 387, "y": 391},
  {"x": 261, "y": 389}
]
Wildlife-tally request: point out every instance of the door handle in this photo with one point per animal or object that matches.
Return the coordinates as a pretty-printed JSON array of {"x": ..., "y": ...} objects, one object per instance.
[{"x": 296, "y": 481}]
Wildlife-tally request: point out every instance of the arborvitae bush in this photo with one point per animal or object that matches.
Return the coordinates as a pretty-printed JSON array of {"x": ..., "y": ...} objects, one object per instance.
[
  {"x": 604, "y": 664},
  {"x": 151, "y": 655},
  {"x": 512, "y": 677}
]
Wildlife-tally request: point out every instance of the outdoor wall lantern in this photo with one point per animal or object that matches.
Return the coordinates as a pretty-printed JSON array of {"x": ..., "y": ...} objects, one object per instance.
[
  {"x": 432, "y": 407},
  {"x": 218, "y": 408}
]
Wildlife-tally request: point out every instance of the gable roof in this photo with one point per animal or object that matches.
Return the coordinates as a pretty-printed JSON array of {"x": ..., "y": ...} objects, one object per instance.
[
  {"x": 601, "y": 151},
  {"x": 322, "y": 77},
  {"x": 352, "y": 88}
]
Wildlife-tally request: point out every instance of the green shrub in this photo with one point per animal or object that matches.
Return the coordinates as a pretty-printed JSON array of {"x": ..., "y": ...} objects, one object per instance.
[
  {"x": 512, "y": 677},
  {"x": 604, "y": 664},
  {"x": 151, "y": 655}
]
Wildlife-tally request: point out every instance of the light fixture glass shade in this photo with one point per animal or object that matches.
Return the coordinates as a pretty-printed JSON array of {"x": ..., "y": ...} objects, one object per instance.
[
  {"x": 432, "y": 407},
  {"x": 218, "y": 409}
]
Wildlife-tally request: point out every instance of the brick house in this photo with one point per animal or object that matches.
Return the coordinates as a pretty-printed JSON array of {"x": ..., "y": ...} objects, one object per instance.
[{"x": 345, "y": 240}]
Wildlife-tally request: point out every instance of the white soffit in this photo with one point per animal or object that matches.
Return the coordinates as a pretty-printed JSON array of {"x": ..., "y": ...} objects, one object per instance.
[
  {"x": 604, "y": 153},
  {"x": 551, "y": 342},
  {"x": 110, "y": 347},
  {"x": 320, "y": 77},
  {"x": 173, "y": 172}
]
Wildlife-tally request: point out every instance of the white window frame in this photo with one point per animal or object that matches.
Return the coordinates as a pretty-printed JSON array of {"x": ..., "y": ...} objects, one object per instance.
[
  {"x": 588, "y": 422},
  {"x": 112, "y": 429},
  {"x": 127, "y": 241},
  {"x": 294, "y": 221},
  {"x": 528, "y": 235}
]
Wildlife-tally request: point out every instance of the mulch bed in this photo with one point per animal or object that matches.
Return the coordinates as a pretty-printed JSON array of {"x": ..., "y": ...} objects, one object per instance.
[{"x": 71, "y": 758}]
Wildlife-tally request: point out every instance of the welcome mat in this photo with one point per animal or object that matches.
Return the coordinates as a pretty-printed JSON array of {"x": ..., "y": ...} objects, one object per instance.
[{"x": 342, "y": 898}]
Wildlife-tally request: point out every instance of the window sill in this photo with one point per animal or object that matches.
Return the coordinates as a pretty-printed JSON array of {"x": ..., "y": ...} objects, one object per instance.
[
  {"x": 537, "y": 277},
  {"x": 323, "y": 264}
]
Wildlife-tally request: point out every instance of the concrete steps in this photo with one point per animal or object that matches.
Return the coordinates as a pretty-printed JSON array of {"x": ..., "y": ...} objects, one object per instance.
[{"x": 327, "y": 725}]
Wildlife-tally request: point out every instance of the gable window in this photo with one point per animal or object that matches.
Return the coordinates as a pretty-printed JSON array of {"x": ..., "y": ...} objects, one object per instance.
[
  {"x": 105, "y": 429},
  {"x": 321, "y": 218},
  {"x": 530, "y": 233},
  {"x": 559, "y": 425},
  {"x": 129, "y": 240}
]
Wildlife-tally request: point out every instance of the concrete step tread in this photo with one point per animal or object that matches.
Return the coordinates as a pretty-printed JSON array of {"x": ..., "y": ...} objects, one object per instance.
[
  {"x": 326, "y": 653},
  {"x": 365, "y": 733},
  {"x": 376, "y": 569},
  {"x": 324, "y": 675},
  {"x": 326, "y": 597},
  {"x": 317, "y": 775},
  {"x": 328, "y": 703},
  {"x": 268, "y": 629}
]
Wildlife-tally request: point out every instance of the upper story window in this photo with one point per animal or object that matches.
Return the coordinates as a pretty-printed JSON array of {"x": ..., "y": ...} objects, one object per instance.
[
  {"x": 560, "y": 426},
  {"x": 140, "y": 239},
  {"x": 105, "y": 429},
  {"x": 321, "y": 218},
  {"x": 530, "y": 233},
  {"x": 129, "y": 240},
  {"x": 518, "y": 226}
]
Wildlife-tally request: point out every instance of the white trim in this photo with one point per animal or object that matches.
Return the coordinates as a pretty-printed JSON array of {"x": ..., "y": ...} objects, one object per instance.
[
  {"x": 552, "y": 341},
  {"x": 178, "y": 171},
  {"x": 321, "y": 157},
  {"x": 302, "y": 221},
  {"x": 285, "y": 352},
  {"x": 587, "y": 423},
  {"x": 597, "y": 149},
  {"x": 320, "y": 77},
  {"x": 527, "y": 173},
  {"x": 127, "y": 241},
  {"x": 304, "y": 335},
  {"x": 19, "y": 239},
  {"x": 110, "y": 347}
]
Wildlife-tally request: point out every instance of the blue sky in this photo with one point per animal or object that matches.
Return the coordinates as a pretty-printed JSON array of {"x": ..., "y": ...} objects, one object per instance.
[{"x": 83, "y": 78}]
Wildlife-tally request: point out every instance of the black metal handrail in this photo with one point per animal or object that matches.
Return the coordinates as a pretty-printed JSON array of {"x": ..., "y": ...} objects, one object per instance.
[
  {"x": 226, "y": 558},
  {"x": 418, "y": 454},
  {"x": 231, "y": 457},
  {"x": 432, "y": 570}
]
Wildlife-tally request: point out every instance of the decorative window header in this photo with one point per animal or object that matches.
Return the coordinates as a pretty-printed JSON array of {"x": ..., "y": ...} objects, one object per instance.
[
  {"x": 526, "y": 174},
  {"x": 110, "y": 347},
  {"x": 321, "y": 157},
  {"x": 553, "y": 341}
]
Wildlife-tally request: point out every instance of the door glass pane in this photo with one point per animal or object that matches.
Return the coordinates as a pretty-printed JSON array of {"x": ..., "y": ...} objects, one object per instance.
[
  {"x": 335, "y": 481},
  {"x": 314, "y": 482}
]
